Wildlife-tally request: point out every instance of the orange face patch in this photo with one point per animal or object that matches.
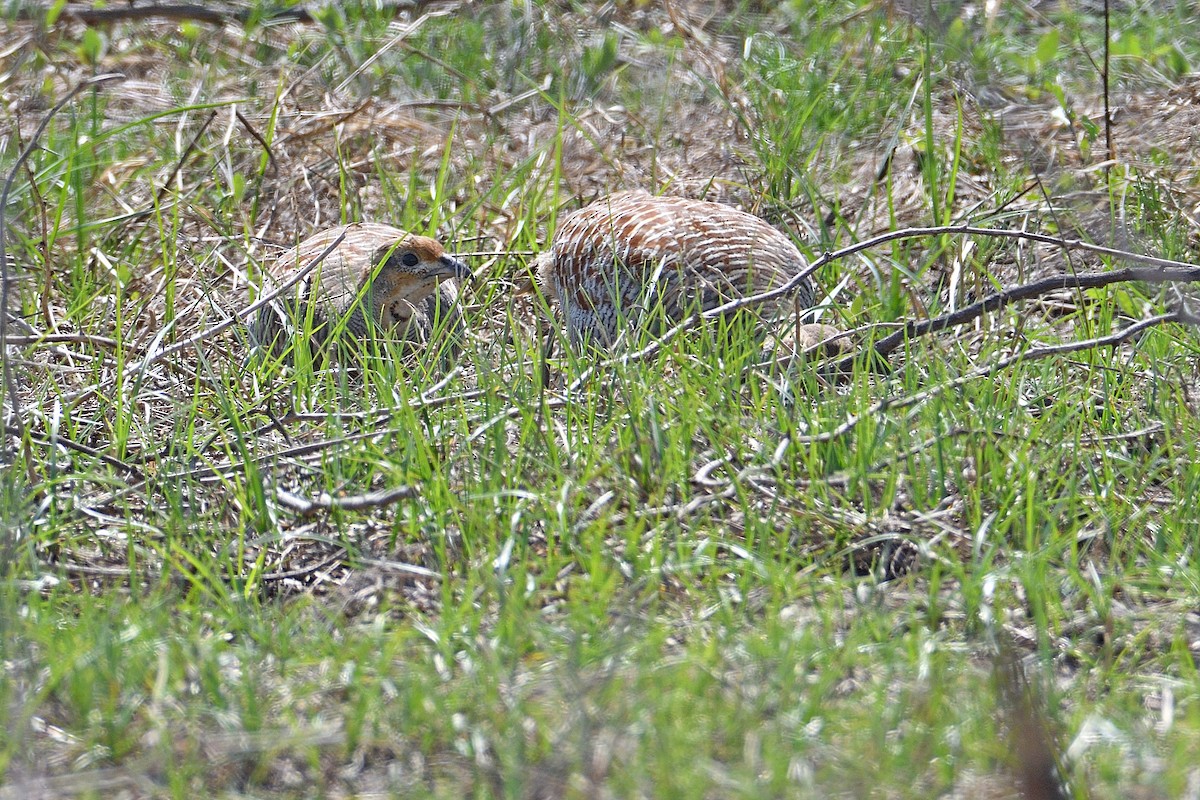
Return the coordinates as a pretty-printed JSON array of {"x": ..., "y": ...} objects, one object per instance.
[
  {"x": 422, "y": 247},
  {"x": 426, "y": 249}
]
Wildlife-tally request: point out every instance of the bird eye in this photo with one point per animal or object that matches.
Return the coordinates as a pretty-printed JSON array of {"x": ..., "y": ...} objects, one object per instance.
[{"x": 409, "y": 259}]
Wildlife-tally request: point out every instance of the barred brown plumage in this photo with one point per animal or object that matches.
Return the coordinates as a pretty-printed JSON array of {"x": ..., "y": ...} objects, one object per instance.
[
  {"x": 620, "y": 256},
  {"x": 376, "y": 278}
]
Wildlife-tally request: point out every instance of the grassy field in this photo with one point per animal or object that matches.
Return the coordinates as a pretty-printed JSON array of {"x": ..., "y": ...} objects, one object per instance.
[{"x": 686, "y": 575}]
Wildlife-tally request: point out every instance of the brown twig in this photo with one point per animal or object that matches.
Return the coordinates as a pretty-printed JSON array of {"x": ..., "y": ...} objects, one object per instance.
[
  {"x": 57, "y": 440},
  {"x": 398, "y": 566},
  {"x": 30, "y": 339},
  {"x": 187, "y": 152},
  {"x": 258, "y": 137},
  {"x": 1108, "y": 142},
  {"x": 997, "y": 300},
  {"x": 89, "y": 570},
  {"x": 1032, "y": 354},
  {"x": 429, "y": 399},
  {"x": 728, "y": 486},
  {"x": 308, "y": 569},
  {"x": 43, "y": 245},
  {"x": 298, "y": 451}
]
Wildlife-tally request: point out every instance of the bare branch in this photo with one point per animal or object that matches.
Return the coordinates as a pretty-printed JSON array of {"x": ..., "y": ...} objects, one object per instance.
[
  {"x": 61, "y": 441},
  {"x": 306, "y": 506},
  {"x": 993, "y": 302},
  {"x": 136, "y": 216}
]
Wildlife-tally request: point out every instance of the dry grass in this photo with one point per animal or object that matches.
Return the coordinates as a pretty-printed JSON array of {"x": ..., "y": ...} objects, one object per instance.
[{"x": 696, "y": 532}]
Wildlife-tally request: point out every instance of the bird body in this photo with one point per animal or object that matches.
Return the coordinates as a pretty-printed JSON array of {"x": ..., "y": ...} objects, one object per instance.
[
  {"x": 373, "y": 277},
  {"x": 619, "y": 257}
]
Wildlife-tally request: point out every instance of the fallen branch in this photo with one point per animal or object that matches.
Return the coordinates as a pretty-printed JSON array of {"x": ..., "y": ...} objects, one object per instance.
[
  {"x": 300, "y": 572},
  {"x": 57, "y": 440},
  {"x": 1004, "y": 297},
  {"x": 398, "y": 566},
  {"x": 428, "y": 399},
  {"x": 30, "y": 339},
  {"x": 137, "y": 216},
  {"x": 1032, "y": 354},
  {"x": 305, "y": 506}
]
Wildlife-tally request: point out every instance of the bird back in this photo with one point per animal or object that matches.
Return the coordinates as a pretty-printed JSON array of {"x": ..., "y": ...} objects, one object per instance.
[{"x": 632, "y": 253}]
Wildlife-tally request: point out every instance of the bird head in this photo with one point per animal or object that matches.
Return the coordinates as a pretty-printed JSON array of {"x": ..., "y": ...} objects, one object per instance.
[
  {"x": 408, "y": 273},
  {"x": 419, "y": 259}
]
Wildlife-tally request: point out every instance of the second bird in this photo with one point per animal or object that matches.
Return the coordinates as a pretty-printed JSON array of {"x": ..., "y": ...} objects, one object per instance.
[
  {"x": 377, "y": 278},
  {"x": 615, "y": 260}
]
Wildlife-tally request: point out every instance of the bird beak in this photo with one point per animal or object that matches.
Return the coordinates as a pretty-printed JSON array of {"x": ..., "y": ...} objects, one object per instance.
[{"x": 451, "y": 267}]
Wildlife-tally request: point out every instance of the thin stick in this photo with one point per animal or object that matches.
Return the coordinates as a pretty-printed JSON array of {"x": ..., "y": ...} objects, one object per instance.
[
  {"x": 68, "y": 444},
  {"x": 307, "y": 506},
  {"x": 1032, "y": 354},
  {"x": 166, "y": 185},
  {"x": 10, "y": 384},
  {"x": 1108, "y": 142},
  {"x": 245, "y": 313},
  {"x": 997, "y": 300},
  {"x": 258, "y": 137}
]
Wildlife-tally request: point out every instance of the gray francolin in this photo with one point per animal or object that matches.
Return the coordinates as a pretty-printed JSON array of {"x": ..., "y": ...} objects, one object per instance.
[
  {"x": 377, "y": 279},
  {"x": 615, "y": 260}
]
